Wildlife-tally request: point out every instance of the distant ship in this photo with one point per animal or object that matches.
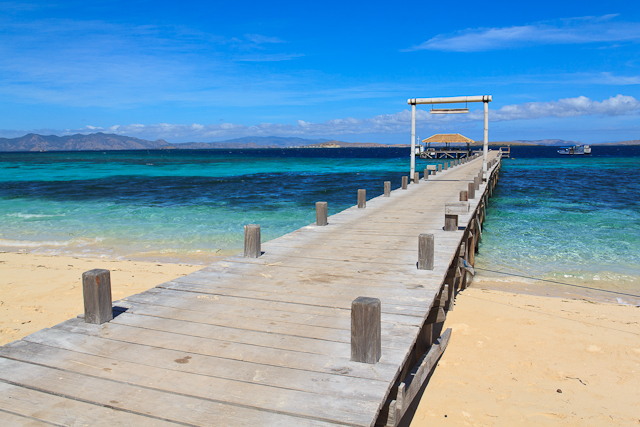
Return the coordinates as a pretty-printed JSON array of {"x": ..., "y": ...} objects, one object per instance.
[{"x": 575, "y": 150}]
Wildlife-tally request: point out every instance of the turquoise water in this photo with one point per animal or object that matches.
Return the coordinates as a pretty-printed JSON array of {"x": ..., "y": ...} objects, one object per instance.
[
  {"x": 574, "y": 219},
  {"x": 565, "y": 219}
]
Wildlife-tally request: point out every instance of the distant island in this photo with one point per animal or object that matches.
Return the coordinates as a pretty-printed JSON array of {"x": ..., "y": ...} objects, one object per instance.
[{"x": 103, "y": 142}]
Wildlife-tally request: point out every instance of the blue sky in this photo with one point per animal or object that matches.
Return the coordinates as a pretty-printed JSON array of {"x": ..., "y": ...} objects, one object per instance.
[{"x": 210, "y": 71}]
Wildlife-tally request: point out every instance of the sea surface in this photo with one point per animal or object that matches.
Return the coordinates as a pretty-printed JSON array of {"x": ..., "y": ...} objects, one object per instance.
[{"x": 569, "y": 219}]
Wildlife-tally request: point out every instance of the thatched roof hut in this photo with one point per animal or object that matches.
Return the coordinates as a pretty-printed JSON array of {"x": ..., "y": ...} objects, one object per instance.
[{"x": 448, "y": 138}]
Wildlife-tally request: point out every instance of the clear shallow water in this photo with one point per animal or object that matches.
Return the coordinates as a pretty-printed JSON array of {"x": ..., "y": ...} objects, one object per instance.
[
  {"x": 570, "y": 219},
  {"x": 580, "y": 222}
]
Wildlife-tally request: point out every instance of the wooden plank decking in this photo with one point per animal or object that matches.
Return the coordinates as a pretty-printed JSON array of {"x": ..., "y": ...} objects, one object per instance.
[{"x": 262, "y": 341}]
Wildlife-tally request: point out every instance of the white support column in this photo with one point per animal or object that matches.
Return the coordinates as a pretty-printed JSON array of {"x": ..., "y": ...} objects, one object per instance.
[
  {"x": 413, "y": 141},
  {"x": 485, "y": 152}
]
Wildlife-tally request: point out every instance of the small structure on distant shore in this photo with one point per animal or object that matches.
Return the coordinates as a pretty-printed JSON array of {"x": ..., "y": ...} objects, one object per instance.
[{"x": 448, "y": 151}]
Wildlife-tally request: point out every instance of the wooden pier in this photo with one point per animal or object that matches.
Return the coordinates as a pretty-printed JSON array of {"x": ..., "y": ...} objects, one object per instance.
[{"x": 269, "y": 337}]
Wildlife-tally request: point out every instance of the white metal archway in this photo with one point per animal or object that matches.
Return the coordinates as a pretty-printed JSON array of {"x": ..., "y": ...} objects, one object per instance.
[{"x": 485, "y": 99}]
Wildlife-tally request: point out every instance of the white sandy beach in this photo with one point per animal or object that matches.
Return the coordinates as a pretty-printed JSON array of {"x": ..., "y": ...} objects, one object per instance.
[{"x": 513, "y": 359}]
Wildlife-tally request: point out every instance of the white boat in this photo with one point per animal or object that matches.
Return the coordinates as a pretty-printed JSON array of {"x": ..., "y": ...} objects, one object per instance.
[{"x": 575, "y": 150}]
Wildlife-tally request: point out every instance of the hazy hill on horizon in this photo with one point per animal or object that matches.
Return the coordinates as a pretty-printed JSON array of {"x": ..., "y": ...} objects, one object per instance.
[{"x": 101, "y": 141}]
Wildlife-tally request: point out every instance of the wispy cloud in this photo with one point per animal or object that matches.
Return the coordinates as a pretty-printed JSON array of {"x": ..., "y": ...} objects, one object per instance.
[
  {"x": 260, "y": 39},
  {"x": 619, "y": 105},
  {"x": 589, "y": 29}
]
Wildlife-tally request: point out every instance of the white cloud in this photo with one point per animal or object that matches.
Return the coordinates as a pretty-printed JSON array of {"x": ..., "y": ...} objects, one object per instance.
[
  {"x": 386, "y": 124},
  {"x": 566, "y": 31}
]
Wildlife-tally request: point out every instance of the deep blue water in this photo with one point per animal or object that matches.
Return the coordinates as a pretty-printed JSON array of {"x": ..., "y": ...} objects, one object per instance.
[{"x": 551, "y": 215}]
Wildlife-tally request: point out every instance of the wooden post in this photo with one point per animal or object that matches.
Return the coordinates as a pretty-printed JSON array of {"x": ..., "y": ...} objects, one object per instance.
[
  {"x": 425, "y": 251},
  {"x": 463, "y": 196},
  {"x": 445, "y": 166},
  {"x": 471, "y": 191},
  {"x": 426, "y": 174},
  {"x": 362, "y": 199},
  {"x": 450, "y": 222},
  {"x": 366, "y": 336},
  {"x": 96, "y": 290},
  {"x": 416, "y": 177},
  {"x": 440, "y": 167},
  {"x": 476, "y": 182},
  {"x": 387, "y": 188},
  {"x": 252, "y": 241},
  {"x": 321, "y": 213},
  {"x": 405, "y": 182}
]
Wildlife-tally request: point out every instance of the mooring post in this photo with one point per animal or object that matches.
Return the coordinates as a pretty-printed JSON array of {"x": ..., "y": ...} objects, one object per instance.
[
  {"x": 416, "y": 177},
  {"x": 387, "y": 188},
  {"x": 96, "y": 290},
  {"x": 366, "y": 334},
  {"x": 426, "y": 174},
  {"x": 321, "y": 213},
  {"x": 476, "y": 183},
  {"x": 362, "y": 199},
  {"x": 252, "y": 241},
  {"x": 450, "y": 222},
  {"x": 463, "y": 196},
  {"x": 471, "y": 191},
  {"x": 440, "y": 167},
  {"x": 445, "y": 166},
  {"x": 405, "y": 182},
  {"x": 426, "y": 251}
]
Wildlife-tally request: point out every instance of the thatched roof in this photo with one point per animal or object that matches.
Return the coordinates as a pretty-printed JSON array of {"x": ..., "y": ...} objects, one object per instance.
[{"x": 447, "y": 138}]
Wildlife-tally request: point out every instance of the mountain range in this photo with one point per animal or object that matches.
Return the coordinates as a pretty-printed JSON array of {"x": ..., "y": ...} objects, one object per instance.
[{"x": 101, "y": 141}]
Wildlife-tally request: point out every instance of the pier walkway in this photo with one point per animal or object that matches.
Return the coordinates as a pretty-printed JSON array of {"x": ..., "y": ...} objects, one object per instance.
[{"x": 265, "y": 341}]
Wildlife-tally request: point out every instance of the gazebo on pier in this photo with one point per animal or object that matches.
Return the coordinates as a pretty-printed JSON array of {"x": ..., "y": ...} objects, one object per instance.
[{"x": 446, "y": 152}]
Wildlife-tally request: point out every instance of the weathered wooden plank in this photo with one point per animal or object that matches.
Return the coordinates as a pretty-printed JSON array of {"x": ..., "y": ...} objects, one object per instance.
[
  {"x": 289, "y": 336},
  {"x": 144, "y": 400},
  {"x": 334, "y": 384},
  {"x": 301, "y": 360},
  {"x": 253, "y": 395},
  {"x": 50, "y": 409}
]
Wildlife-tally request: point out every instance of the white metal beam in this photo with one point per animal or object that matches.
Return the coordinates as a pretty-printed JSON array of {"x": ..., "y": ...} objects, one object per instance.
[{"x": 449, "y": 100}]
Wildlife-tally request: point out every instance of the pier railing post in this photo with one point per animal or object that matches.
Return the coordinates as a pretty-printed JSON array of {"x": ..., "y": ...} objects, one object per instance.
[
  {"x": 96, "y": 290},
  {"x": 252, "y": 241},
  {"x": 366, "y": 334},
  {"x": 440, "y": 167},
  {"x": 463, "y": 196},
  {"x": 362, "y": 199},
  {"x": 416, "y": 177},
  {"x": 426, "y": 174},
  {"x": 450, "y": 222},
  {"x": 405, "y": 182},
  {"x": 387, "y": 188},
  {"x": 471, "y": 191},
  {"x": 446, "y": 165},
  {"x": 476, "y": 183},
  {"x": 426, "y": 251},
  {"x": 321, "y": 213}
]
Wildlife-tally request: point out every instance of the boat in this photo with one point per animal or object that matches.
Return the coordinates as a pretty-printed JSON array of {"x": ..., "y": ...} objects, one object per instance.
[{"x": 575, "y": 150}]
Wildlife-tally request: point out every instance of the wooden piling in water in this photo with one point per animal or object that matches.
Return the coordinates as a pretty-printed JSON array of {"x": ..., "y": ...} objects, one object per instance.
[
  {"x": 252, "y": 241},
  {"x": 366, "y": 336},
  {"x": 96, "y": 291},
  {"x": 321, "y": 213}
]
